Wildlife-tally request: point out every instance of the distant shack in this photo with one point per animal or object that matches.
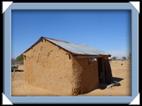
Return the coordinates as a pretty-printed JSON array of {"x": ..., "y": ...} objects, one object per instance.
[{"x": 65, "y": 68}]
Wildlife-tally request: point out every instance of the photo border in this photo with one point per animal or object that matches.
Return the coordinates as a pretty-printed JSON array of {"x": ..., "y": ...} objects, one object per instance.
[{"x": 70, "y": 99}]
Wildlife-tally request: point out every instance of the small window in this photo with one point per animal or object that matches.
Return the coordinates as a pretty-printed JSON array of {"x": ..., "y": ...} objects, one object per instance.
[{"x": 69, "y": 56}]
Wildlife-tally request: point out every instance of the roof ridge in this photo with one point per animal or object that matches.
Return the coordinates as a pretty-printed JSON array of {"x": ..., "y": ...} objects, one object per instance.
[{"x": 56, "y": 39}]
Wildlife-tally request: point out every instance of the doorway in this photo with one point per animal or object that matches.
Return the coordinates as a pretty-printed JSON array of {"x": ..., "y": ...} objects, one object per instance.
[
  {"x": 104, "y": 70},
  {"x": 101, "y": 71}
]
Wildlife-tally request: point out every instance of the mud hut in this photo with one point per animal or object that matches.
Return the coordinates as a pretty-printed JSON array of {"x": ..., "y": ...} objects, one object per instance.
[{"x": 64, "y": 68}]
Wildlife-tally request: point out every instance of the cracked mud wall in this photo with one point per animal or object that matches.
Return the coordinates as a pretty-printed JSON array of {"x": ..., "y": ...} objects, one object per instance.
[
  {"x": 48, "y": 66},
  {"x": 85, "y": 74}
]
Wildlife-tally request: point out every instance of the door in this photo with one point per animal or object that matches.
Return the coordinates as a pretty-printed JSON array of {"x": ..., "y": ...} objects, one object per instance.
[
  {"x": 101, "y": 71},
  {"x": 104, "y": 69}
]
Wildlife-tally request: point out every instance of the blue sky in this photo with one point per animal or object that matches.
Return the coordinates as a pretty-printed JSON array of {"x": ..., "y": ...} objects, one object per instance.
[{"x": 105, "y": 30}]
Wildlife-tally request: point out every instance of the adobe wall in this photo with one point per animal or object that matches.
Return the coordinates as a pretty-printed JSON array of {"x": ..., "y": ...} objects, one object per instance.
[
  {"x": 48, "y": 66},
  {"x": 85, "y": 75}
]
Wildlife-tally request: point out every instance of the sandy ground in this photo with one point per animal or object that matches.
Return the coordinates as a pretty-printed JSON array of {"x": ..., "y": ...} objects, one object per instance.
[
  {"x": 120, "y": 70},
  {"x": 123, "y": 74}
]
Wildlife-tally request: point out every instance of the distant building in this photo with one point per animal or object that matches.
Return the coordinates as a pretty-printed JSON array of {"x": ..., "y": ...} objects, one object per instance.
[{"x": 65, "y": 68}]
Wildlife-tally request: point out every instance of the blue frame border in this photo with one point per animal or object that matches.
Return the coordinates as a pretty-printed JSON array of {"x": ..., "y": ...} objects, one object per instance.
[{"x": 71, "y": 99}]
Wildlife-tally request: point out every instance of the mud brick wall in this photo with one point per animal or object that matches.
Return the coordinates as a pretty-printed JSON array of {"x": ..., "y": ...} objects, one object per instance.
[
  {"x": 85, "y": 75},
  {"x": 50, "y": 67}
]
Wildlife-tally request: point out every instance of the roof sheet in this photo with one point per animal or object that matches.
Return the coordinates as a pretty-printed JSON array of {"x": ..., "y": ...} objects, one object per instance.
[{"x": 75, "y": 48}]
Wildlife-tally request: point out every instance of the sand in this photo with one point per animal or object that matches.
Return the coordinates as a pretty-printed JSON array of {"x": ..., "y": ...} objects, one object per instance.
[
  {"x": 120, "y": 70},
  {"x": 122, "y": 73}
]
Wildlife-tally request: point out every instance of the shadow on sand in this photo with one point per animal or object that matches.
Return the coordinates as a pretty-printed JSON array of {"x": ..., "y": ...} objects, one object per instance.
[
  {"x": 117, "y": 79},
  {"x": 115, "y": 82}
]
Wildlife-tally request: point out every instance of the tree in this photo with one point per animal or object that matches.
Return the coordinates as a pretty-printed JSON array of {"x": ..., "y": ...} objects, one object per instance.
[
  {"x": 19, "y": 58},
  {"x": 114, "y": 58},
  {"x": 129, "y": 56},
  {"x": 13, "y": 61},
  {"x": 124, "y": 58}
]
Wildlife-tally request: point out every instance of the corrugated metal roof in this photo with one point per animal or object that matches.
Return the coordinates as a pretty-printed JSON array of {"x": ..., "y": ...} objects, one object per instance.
[{"x": 75, "y": 48}]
